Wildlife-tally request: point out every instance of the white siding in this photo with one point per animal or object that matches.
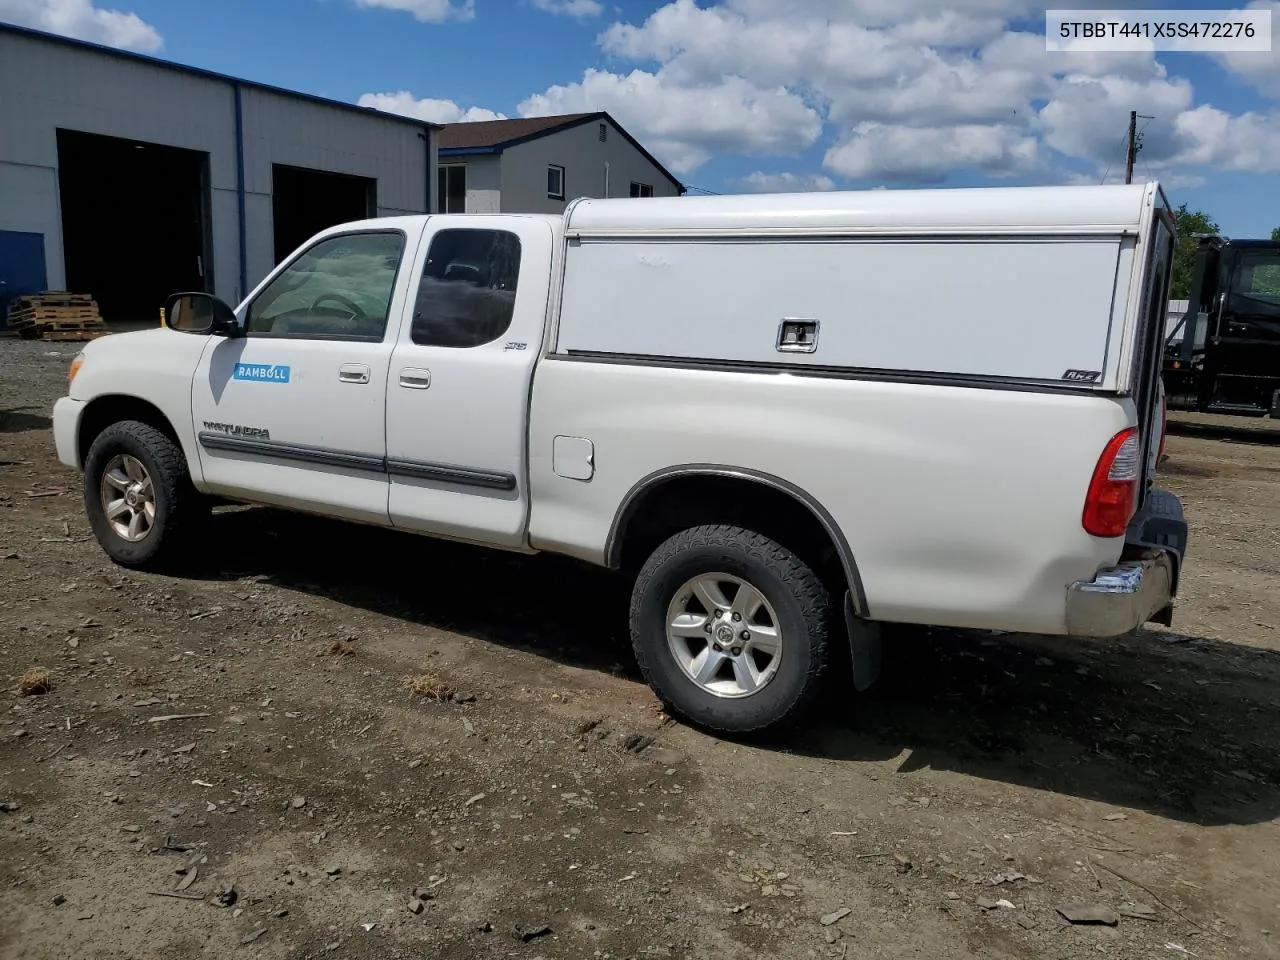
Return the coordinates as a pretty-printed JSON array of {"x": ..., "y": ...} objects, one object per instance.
[
  {"x": 1177, "y": 309},
  {"x": 484, "y": 184},
  {"x": 579, "y": 150},
  {"x": 45, "y": 85}
]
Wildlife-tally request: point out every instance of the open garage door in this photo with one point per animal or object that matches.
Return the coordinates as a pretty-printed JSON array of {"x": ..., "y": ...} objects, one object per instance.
[
  {"x": 134, "y": 223},
  {"x": 304, "y": 202}
]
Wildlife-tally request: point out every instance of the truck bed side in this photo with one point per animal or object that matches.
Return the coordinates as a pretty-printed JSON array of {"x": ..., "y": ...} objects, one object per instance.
[{"x": 949, "y": 517}]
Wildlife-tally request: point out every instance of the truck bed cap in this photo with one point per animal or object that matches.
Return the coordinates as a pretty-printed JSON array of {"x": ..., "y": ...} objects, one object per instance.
[{"x": 1056, "y": 209}]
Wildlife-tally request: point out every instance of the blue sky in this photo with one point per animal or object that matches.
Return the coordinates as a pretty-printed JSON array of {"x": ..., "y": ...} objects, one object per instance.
[{"x": 761, "y": 94}]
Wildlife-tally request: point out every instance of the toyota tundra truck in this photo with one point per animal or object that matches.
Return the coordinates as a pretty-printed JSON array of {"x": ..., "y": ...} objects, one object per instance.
[{"x": 789, "y": 420}]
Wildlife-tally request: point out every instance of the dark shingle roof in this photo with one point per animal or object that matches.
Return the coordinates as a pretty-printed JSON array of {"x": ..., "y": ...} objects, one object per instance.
[{"x": 493, "y": 133}]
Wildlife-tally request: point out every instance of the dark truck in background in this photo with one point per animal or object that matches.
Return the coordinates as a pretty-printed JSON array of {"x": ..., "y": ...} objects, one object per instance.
[{"x": 1223, "y": 356}]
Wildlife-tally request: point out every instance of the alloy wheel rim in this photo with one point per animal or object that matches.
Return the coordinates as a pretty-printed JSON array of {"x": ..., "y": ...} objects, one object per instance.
[
  {"x": 724, "y": 635},
  {"x": 128, "y": 498}
]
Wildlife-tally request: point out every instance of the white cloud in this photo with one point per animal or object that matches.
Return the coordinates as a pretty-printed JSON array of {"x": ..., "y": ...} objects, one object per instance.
[
  {"x": 428, "y": 11},
  {"x": 885, "y": 66},
  {"x": 928, "y": 154},
  {"x": 761, "y": 182},
  {"x": 1182, "y": 181},
  {"x": 905, "y": 90},
  {"x": 571, "y": 8},
  {"x": 1213, "y": 138},
  {"x": 1259, "y": 70},
  {"x": 685, "y": 125},
  {"x": 435, "y": 111},
  {"x": 82, "y": 20},
  {"x": 1088, "y": 117}
]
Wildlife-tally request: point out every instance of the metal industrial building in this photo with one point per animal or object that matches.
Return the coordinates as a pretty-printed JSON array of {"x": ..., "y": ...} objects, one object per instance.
[{"x": 130, "y": 178}]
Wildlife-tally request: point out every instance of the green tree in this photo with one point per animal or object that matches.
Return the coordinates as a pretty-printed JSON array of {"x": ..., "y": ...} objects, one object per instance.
[
  {"x": 1275, "y": 234},
  {"x": 1191, "y": 225}
]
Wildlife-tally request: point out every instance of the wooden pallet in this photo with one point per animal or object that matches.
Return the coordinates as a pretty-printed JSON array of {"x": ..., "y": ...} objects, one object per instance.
[
  {"x": 54, "y": 323},
  {"x": 51, "y": 325},
  {"x": 84, "y": 333},
  {"x": 53, "y": 298},
  {"x": 56, "y": 315}
]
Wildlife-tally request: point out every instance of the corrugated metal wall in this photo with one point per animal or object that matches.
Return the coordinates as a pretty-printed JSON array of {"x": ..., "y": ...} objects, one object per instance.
[
  {"x": 48, "y": 84},
  {"x": 299, "y": 133}
]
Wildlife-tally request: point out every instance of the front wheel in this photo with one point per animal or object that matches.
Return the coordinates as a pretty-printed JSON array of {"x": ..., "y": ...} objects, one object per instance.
[
  {"x": 730, "y": 629},
  {"x": 138, "y": 495}
]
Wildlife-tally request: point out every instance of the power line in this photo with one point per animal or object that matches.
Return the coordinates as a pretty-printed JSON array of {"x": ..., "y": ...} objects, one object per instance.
[
  {"x": 1119, "y": 146},
  {"x": 1145, "y": 166}
]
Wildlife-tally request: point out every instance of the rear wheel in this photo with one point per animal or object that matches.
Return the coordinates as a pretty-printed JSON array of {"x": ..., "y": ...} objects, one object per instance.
[
  {"x": 138, "y": 495},
  {"x": 730, "y": 629}
]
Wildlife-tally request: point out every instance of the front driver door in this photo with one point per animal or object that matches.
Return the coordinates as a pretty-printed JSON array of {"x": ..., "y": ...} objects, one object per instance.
[{"x": 293, "y": 413}]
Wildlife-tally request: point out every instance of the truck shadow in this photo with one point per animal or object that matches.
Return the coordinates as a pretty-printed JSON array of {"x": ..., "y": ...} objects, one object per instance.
[
  {"x": 1183, "y": 727},
  {"x": 17, "y": 421},
  {"x": 1187, "y": 728},
  {"x": 1262, "y": 433}
]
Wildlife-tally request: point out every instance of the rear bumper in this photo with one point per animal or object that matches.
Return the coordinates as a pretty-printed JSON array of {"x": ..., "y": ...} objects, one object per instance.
[
  {"x": 1142, "y": 586},
  {"x": 1121, "y": 598}
]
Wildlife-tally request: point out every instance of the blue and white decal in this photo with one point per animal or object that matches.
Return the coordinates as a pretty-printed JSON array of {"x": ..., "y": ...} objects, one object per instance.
[{"x": 262, "y": 372}]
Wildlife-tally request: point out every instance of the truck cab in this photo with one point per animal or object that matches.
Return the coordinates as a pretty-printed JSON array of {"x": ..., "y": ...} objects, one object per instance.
[{"x": 1224, "y": 356}]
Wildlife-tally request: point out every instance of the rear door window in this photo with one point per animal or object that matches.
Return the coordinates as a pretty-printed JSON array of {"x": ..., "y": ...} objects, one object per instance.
[{"x": 467, "y": 293}]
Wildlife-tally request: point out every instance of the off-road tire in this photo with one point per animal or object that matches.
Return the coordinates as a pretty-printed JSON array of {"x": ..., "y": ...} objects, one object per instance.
[
  {"x": 181, "y": 511},
  {"x": 803, "y": 605}
]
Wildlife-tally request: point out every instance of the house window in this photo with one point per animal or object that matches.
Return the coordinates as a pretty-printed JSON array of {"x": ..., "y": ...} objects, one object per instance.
[
  {"x": 604, "y": 133},
  {"x": 453, "y": 188},
  {"x": 555, "y": 182},
  {"x": 641, "y": 189}
]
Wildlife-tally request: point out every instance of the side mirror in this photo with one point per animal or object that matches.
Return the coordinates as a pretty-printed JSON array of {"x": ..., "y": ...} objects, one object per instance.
[{"x": 201, "y": 313}]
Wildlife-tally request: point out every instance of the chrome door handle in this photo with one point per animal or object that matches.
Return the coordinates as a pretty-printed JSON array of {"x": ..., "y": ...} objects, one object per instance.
[
  {"x": 415, "y": 379},
  {"x": 353, "y": 373}
]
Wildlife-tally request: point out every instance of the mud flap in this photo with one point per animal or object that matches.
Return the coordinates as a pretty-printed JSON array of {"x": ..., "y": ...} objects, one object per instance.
[{"x": 864, "y": 646}]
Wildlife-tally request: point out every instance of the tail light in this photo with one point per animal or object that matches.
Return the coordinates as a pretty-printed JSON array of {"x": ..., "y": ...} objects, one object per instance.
[{"x": 1113, "y": 491}]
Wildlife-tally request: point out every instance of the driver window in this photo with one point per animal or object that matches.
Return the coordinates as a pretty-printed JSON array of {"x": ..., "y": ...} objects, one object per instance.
[{"x": 339, "y": 289}]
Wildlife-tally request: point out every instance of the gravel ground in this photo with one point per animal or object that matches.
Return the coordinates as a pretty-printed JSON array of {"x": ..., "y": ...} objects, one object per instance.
[{"x": 233, "y": 762}]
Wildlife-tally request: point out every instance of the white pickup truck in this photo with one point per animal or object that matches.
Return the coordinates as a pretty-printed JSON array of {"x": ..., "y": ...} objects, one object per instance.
[{"x": 789, "y": 419}]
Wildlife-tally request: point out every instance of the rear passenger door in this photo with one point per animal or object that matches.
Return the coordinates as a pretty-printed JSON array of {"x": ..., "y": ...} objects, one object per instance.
[{"x": 459, "y": 383}]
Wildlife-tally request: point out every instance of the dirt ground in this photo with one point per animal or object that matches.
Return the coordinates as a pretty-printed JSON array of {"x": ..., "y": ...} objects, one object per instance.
[{"x": 547, "y": 810}]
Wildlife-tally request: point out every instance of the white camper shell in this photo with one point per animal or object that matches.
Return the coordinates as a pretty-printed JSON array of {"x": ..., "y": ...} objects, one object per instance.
[{"x": 1005, "y": 286}]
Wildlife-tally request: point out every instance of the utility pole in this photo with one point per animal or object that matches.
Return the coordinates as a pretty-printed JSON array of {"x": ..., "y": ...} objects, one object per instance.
[
  {"x": 1135, "y": 144},
  {"x": 1132, "y": 153}
]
